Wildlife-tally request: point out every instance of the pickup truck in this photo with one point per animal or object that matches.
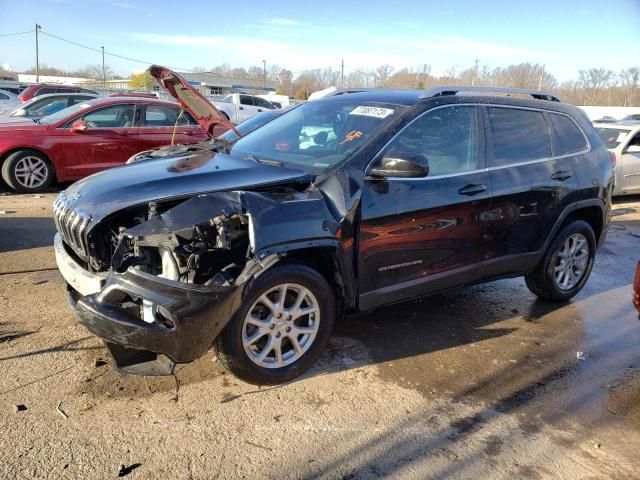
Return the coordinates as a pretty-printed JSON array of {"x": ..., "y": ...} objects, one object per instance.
[{"x": 238, "y": 107}]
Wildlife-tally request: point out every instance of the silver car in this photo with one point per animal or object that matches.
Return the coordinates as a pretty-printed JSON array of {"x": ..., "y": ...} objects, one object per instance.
[
  {"x": 8, "y": 100},
  {"x": 43, "y": 105},
  {"x": 623, "y": 140}
]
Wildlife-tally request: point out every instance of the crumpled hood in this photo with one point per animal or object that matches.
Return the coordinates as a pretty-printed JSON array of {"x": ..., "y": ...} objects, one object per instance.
[
  {"x": 190, "y": 99},
  {"x": 193, "y": 172}
]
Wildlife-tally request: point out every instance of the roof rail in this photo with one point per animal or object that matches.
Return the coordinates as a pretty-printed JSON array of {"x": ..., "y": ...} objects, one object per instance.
[
  {"x": 344, "y": 91},
  {"x": 453, "y": 90}
]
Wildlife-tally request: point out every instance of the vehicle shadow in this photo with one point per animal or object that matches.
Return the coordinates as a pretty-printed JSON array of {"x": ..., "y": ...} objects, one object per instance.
[
  {"x": 21, "y": 233},
  {"x": 55, "y": 188},
  {"x": 415, "y": 328}
]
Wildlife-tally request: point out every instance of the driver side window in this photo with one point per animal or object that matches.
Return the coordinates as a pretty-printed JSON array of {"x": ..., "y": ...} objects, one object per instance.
[
  {"x": 447, "y": 137},
  {"x": 113, "y": 116}
]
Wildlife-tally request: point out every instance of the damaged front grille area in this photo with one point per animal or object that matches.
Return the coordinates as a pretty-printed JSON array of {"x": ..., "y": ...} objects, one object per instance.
[{"x": 71, "y": 224}]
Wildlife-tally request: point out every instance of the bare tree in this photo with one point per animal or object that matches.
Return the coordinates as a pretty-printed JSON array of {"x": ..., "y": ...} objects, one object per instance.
[
  {"x": 94, "y": 72},
  {"x": 594, "y": 81},
  {"x": 383, "y": 72},
  {"x": 630, "y": 84}
]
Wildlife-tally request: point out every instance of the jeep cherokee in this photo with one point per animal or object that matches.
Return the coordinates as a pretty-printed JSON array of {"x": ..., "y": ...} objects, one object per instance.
[{"x": 361, "y": 199}]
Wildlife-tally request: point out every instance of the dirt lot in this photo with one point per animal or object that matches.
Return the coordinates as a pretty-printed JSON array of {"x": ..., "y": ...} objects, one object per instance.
[{"x": 483, "y": 382}]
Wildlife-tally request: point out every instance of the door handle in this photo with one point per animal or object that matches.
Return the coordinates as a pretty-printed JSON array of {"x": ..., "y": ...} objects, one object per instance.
[
  {"x": 259, "y": 109},
  {"x": 472, "y": 189},
  {"x": 561, "y": 175},
  {"x": 240, "y": 108}
]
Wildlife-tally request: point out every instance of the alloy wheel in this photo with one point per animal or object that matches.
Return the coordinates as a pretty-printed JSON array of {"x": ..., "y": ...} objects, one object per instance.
[
  {"x": 31, "y": 172},
  {"x": 571, "y": 262},
  {"x": 281, "y": 325}
]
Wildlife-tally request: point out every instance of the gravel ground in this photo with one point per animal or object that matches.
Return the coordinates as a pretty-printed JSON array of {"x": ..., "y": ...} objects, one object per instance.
[{"x": 480, "y": 382}]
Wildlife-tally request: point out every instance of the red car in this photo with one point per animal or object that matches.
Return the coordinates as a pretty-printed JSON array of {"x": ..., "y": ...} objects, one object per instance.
[
  {"x": 43, "y": 88},
  {"x": 89, "y": 137}
]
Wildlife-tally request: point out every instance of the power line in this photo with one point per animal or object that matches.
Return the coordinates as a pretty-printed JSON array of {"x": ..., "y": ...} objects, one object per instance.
[
  {"x": 16, "y": 33},
  {"x": 106, "y": 52}
]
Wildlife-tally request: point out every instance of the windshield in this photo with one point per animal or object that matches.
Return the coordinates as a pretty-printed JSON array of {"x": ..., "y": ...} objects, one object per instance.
[
  {"x": 612, "y": 137},
  {"x": 64, "y": 113},
  {"x": 317, "y": 135}
]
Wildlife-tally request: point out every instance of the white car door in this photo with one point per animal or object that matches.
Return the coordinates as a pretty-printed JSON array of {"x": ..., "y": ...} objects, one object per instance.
[
  {"x": 630, "y": 164},
  {"x": 246, "y": 109}
]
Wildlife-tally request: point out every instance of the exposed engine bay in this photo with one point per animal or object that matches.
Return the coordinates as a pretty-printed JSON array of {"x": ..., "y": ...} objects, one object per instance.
[
  {"x": 203, "y": 240},
  {"x": 149, "y": 239}
]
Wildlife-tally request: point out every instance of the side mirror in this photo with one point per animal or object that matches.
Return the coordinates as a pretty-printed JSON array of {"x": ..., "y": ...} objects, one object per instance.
[
  {"x": 632, "y": 149},
  {"x": 79, "y": 126},
  {"x": 401, "y": 164}
]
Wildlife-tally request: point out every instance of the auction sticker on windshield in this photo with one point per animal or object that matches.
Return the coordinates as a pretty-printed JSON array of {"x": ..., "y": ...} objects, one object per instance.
[{"x": 376, "y": 112}]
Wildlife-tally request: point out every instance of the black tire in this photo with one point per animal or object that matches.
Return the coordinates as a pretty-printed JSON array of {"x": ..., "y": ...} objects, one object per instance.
[
  {"x": 542, "y": 281},
  {"x": 229, "y": 345},
  {"x": 9, "y": 173}
]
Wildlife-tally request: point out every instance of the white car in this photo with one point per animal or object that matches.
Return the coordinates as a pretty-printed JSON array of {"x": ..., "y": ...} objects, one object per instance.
[
  {"x": 8, "y": 100},
  {"x": 623, "y": 140}
]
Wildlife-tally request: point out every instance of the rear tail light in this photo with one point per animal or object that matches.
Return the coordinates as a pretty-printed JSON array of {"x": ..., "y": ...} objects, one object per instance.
[{"x": 612, "y": 157}]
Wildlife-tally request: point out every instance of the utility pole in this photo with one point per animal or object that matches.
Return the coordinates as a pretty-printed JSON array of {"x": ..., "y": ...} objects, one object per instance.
[
  {"x": 475, "y": 73},
  {"x": 541, "y": 78},
  {"x": 264, "y": 75},
  {"x": 342, "y": 75},
  {"x": 104, "y": 77},
  {"x": 38, "y": 27}
]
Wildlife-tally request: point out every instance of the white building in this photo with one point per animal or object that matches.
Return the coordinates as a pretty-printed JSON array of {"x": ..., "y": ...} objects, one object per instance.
[{"x": 28, "y": 78}]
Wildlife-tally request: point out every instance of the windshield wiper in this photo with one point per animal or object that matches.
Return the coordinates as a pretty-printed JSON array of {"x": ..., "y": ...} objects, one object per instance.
[
  {"x": 221, "y": 142},
  {"x": 275, "y": 163}
]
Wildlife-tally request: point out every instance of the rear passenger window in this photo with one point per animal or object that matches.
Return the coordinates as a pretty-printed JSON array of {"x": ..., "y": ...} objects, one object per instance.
[
  {"x": 567, "y": 137},
  {"x": 518, "y": 135},
  {"x": 246, "y": 100}
]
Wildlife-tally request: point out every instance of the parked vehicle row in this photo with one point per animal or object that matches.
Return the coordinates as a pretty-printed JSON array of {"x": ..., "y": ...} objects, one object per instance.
[
  {"x": 42, "y": 105},
  {"x": 623, "y": 141},
  {"x": 360, "y": 199},
  {"x": 88, "y": 137}
]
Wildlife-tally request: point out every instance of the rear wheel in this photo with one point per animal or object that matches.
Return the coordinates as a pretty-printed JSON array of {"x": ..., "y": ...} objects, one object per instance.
[
  {"x": 281, "y": 328},
  {"x": 27, "y": 171},
  {"x": 567, "y": 264}
]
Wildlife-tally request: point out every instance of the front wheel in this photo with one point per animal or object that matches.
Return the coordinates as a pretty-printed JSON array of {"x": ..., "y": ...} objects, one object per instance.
[
  {"x": 281, "y": 328},
  {"x": 566, "y": 266},
  {"x": 27, "y": 171}
]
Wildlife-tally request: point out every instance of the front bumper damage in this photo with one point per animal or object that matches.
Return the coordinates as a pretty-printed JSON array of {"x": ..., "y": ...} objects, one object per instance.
[
  {"x": 187, "y": 318},
  {"x": 151, "y": 320}
]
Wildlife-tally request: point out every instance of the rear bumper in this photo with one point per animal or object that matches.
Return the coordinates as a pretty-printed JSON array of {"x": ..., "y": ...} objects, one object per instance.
[{"x": 186, "y": 318}]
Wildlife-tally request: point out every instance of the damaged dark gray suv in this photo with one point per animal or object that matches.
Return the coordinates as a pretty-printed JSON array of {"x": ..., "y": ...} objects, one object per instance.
[{"x": 357, "y": 200}]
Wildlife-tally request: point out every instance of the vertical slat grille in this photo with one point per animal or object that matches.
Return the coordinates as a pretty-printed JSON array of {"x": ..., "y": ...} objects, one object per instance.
[{"x": 71, "y": 224}]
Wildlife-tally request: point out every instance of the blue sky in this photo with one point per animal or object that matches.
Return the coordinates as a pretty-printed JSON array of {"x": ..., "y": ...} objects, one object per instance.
[{"x": 566, "y": 36}]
